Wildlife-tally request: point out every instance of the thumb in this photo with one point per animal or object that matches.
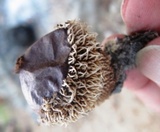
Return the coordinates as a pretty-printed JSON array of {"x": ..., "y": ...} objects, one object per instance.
[
  {"x": 141, "y": 15},
  {"x": 148, "y": 62}
]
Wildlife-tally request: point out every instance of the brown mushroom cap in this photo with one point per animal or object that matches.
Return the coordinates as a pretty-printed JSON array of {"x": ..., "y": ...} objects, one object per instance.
[{"x": 65, "y": 74}]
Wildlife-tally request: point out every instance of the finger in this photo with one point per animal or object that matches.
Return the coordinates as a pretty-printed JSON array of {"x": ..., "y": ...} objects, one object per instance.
[
  {"x": 148, "y": 62},
  {"x": 141, "y": 15},
  {"x": 143, "y": 88},
  {"x": 135, "y": 80},
  {"x": 148, "y": 66},
  {"x": 150, "y": 95}
]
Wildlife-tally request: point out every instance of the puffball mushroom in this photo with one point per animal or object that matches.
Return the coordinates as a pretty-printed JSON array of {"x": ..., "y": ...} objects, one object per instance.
[{"x": 66, "y": 73}]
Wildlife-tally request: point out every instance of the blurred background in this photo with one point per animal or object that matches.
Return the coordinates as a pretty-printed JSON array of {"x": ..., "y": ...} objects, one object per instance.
[{"x": 24, "y": 21}]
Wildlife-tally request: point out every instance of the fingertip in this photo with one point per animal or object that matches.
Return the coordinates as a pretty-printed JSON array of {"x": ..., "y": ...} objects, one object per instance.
[{"x": 148, "y": 62}]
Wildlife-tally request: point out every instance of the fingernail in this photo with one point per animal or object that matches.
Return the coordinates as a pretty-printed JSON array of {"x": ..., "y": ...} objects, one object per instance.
[
  {"x": 123, "y": 8},
  {"x": 148, "y": 62}
]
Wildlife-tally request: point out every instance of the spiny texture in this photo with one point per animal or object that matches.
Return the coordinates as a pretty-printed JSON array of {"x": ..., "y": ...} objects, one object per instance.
[{"x": 89, "y": 81}]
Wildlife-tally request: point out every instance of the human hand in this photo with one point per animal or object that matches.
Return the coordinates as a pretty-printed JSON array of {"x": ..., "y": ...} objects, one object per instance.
[{"x": 144, "y": 81}]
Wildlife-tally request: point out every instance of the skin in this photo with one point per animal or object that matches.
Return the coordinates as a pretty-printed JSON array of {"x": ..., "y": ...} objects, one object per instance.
[{"x": 144, "y": 81}]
